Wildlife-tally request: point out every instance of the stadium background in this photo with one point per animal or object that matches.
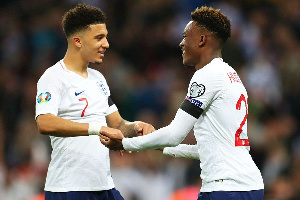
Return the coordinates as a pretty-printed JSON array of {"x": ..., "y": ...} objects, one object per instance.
[{"x": 148, "y": 82}]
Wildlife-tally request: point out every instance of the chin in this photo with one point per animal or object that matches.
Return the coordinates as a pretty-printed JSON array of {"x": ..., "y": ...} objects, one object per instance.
[
  {"x": 98, "y": 62},
  {"x": 187, "y": 64}
]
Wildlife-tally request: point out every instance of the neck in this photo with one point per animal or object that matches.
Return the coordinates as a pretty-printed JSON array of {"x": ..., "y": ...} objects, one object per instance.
[
  {"x": 75, "y": 63},
  {"x": 207, "y": 58}
]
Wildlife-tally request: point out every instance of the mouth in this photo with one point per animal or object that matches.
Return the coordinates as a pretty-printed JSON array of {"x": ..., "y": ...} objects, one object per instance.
[{"x": 101, "y": 53}]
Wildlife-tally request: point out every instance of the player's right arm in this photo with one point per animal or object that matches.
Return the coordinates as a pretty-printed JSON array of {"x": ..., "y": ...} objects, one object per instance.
[
  {"x": 50, "y": 91},
  {"x": 49, "y": 124}
]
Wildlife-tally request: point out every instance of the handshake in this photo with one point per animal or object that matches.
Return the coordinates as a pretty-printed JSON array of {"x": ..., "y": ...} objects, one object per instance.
[{"x": 112, "y": 138}]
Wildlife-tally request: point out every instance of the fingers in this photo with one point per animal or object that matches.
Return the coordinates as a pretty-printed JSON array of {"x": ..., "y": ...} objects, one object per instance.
[
  {"x": 104, "y": 140},
  {"x": 111, "y": 143},
  {"x": 148, "y": 129},
  {"x": 151, "y": 129},
  {"x": 143, "y": 128},
  {"x": 138, "y": 128},
  {"x": 111, "y": 133},
  {"x": 104, "y": 134},
  {"x": 104, "y": 137}
]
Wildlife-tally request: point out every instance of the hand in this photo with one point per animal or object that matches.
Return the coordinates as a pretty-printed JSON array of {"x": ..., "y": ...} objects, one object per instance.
[
  {"x": 111, "y": 138},
  {"x": 143, "y": 128}
]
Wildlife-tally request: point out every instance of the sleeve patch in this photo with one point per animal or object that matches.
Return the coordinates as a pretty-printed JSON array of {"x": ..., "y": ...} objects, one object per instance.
[
  {"x": 196, "y": 90},
  {"x": 44, "y": 97}
]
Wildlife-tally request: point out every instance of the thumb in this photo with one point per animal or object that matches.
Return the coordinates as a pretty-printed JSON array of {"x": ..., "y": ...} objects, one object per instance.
[
  {"x": 103, "y": 133},
  {"x": 138, "y": 128}
]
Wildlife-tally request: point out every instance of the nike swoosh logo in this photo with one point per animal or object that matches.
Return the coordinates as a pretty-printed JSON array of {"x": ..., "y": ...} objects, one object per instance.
[{"x": 78, "y": 93}]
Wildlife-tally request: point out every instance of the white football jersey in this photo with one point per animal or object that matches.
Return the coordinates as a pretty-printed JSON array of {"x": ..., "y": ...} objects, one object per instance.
[
  {"x": 77, "y": 163},
  {"x": 221, "y": 130}
]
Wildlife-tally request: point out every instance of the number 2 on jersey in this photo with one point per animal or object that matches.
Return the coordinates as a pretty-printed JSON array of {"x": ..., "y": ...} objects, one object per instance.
[
  {"x": 84, "y": 99},
  {"x": 238, "y": 140}
]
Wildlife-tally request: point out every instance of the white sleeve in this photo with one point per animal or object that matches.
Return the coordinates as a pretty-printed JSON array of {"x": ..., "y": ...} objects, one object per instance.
[
  {"x": 48, "y": 96},
  {"x": 204, "y": 87},
  {"x": 171, "y": 135},
  {"x": 111, "y": 107},
  {"x": 182, "y": 151}
]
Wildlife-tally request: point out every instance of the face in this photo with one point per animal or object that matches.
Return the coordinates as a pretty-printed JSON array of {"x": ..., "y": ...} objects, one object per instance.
[
  {"x": 94, "y": 43},
  {"x": 189, "y": 45}
]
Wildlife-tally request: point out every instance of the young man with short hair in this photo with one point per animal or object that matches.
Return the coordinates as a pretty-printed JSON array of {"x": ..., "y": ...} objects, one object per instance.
[
  {"x": 216, "y": 106},
  {"x": 73, "y": 106}
]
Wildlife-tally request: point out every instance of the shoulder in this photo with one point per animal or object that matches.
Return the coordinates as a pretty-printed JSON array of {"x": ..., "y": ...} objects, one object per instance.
[
  {"x": 217, "y": 69},
  {"x": 212, "y": 77},
  {"x": 96, "y": 74},
  {"x": 52, "y": 74}
]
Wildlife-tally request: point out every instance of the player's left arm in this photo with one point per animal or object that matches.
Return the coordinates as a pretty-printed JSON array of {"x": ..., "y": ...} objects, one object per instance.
[
  {"x": 182, "y": 151},
  {"x": 129, "y": 129}
]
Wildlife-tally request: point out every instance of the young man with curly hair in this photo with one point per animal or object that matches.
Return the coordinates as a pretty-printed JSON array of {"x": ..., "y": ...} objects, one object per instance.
[
  {"x": 73, "y": 106},
  {"x": 216, "y": 106}
]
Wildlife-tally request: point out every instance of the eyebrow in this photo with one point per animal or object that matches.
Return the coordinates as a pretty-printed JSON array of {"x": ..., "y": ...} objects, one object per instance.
[{"x": 100, "y": 35}]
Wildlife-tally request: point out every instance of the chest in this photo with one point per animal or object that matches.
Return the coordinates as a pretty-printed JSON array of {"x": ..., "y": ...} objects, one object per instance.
[{"x": 85, "y": 97}]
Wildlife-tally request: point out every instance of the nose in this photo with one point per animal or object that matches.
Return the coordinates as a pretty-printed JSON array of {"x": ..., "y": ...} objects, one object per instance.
[
  {"x": 181, "y": 44},
  {"x": 105, "y": 43}
]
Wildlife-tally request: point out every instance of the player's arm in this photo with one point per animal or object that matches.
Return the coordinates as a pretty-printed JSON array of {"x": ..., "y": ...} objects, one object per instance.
[
  {"x": 182, "y": 151},
  {"x": 49, "y": 124},
  {"x": 168, "y": 136},
  {"x": 129, "y": 129}
]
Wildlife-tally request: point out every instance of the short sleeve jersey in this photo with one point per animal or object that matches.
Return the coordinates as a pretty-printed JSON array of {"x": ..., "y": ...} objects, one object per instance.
[
  {"x": 77, "y": 163},
  {"x": 221, "y": 130}
]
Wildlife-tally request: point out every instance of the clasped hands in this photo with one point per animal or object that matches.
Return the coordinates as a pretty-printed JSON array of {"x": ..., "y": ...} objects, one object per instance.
[{"x": 112, "y": 138}]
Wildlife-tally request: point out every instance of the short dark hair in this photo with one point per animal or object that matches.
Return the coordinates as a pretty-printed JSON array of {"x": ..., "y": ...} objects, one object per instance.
[
  {"x": 213, "y": 20},
  {"x": 81, "y": 17}
]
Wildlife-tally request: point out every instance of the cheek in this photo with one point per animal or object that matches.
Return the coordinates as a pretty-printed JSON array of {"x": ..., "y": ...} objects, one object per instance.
[{"x": 192, "y": 47}]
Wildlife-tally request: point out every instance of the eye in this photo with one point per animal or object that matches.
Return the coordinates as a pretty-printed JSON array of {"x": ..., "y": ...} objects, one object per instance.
[{"x": 100, "y": 37}]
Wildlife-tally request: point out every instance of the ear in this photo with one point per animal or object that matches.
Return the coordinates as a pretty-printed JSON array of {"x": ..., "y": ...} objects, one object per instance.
[
  {"x": 76, "y": 41},
  {"x": 202, "y": 40}
]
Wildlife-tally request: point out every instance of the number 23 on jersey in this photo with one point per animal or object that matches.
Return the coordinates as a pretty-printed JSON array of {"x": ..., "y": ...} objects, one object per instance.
[{"x": 238, "y": 140}]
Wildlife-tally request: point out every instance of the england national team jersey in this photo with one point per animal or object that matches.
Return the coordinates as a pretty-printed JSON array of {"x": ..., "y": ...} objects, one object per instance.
[
  {"x": 77, "y": 163},
  {"x": 221, "y": 130}
]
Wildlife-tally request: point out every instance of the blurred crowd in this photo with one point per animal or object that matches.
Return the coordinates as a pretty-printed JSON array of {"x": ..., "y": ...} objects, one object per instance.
[{"x": 148, "y": 82}]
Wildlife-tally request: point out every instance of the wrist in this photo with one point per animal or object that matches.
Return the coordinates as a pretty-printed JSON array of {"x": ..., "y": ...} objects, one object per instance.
[{"x": 94, "y": 129}]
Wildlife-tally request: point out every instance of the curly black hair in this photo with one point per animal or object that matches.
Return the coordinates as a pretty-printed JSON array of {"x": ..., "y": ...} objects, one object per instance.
[
  {"x": 81, "y": 17},
  {"x": 213, "y": 20}
]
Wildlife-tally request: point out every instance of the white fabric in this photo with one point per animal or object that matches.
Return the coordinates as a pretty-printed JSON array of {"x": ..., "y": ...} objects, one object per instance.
[
  {"x": 182, "y": 151},
  {"x": 94, "y": 129},
  {"x": 216, "y": 128},
  {"x": 171, "y": 135},
  {"x": 217, "y": 89},
  {"x": 77, "y": 163}
]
